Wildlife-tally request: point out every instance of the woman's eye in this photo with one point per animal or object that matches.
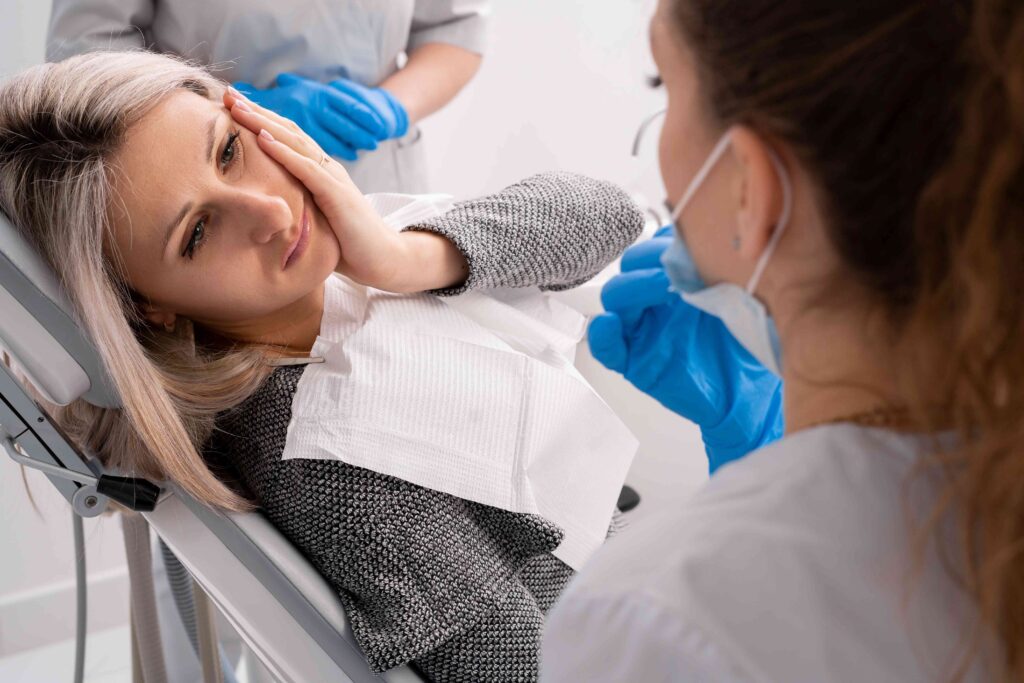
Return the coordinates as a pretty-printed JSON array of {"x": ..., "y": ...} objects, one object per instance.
[
  {"x": 228, "y": 154},
  {"x": 654, "y": 81},
  {"x": 195, "y": 239}
]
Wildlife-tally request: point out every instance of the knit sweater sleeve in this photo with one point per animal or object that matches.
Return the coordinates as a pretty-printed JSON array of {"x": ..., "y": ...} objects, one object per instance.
[{"x": 552, "y": 230}]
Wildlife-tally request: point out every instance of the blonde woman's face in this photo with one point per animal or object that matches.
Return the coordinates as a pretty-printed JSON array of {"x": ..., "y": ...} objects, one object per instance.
[{"x": 204, "y": 222}]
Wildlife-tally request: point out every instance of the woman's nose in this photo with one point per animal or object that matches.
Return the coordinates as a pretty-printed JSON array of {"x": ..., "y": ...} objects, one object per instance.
[{"x": 266, "y": 216}]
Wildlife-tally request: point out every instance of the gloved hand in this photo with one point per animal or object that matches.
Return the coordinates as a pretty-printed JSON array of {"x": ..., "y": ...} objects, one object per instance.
[
  {"x": 384, "y": 105},
  {"x": 685, "y": 358},
  {"x": 339, "y": 123}
]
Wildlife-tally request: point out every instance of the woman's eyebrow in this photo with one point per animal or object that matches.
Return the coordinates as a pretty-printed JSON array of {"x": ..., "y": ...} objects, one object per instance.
[{"x": 211, "y": 141}]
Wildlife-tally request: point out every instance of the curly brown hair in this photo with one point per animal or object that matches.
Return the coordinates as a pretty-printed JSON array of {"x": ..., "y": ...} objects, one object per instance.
[{"x": 910, "y": 113}]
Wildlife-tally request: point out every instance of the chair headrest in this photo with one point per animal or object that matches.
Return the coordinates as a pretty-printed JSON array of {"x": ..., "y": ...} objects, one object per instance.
[{"x": 38, "y": 328}]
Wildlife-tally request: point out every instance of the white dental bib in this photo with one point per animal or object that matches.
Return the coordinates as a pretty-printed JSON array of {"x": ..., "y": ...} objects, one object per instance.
[{"x": 475, "y": 396}]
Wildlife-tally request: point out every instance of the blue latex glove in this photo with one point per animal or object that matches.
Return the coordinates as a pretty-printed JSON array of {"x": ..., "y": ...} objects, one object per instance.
[
  {"x": 685, "y": 358},
  {"x": 339, "y": 123},
  {"x": 384, "y": 105}
]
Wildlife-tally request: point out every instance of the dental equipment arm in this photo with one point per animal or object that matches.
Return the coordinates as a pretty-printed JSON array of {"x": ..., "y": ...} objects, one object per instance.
[
  {"x": 40, "y": 336},
  {"x": 32, "y": 440}
]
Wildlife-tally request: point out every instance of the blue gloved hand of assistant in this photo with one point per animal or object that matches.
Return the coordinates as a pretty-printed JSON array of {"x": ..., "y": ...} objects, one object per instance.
[
  {"x": 384, "y": 105},
  {"x": 339, "y": 123},
  {"x": 685, "y": 358}
]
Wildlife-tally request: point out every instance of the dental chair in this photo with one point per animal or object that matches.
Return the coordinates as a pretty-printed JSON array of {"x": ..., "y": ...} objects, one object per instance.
[{"x": 281, "y": 607}]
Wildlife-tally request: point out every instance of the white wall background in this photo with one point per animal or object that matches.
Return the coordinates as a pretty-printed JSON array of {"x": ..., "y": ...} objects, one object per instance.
[{"x": 561, "y": 88}]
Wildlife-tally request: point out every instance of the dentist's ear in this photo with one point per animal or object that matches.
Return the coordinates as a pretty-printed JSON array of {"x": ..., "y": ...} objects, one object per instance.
[{"x": 759, "y": 204}]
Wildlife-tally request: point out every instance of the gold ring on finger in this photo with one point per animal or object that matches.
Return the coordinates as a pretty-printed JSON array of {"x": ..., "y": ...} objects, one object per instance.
[{"x": 325, "y": 160}]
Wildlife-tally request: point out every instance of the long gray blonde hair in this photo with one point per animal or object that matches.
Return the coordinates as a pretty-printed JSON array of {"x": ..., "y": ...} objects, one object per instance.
[{"x": 60, "y": 125}]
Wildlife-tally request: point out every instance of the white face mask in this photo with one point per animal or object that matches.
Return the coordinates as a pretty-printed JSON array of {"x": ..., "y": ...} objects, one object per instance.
[{"x": 737, "y": 307}]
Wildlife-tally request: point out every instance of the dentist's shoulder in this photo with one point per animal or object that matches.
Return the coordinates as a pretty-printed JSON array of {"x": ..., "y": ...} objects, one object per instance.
[{"x": 779, "y": 548}]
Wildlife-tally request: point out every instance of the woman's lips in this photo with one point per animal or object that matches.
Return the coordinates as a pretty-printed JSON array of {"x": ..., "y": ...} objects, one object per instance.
[{"x": 301, "y": 243}]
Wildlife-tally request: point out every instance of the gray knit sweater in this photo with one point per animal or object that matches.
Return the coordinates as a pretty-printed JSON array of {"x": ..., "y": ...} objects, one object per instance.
[{"x": 455, "y": 588}]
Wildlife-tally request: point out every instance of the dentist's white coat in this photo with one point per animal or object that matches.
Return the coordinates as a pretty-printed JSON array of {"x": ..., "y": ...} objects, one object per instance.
[
  {"x": 791, "y": 565},
  {"x": 255, "y": 40}
]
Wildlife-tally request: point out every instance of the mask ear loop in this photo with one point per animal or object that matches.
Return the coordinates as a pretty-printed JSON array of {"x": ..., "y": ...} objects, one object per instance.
[
  {"x": 780, "y": 226},
  {"x": 705, "y": 169}
]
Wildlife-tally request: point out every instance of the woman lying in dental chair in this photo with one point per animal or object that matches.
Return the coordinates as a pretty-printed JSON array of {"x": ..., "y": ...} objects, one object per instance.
[{"x": 194, "y": 233}]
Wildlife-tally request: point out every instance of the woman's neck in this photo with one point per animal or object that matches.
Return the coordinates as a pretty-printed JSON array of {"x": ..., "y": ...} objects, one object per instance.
[
  {"x": 837, "y": 365},
  {"x": 293, "y": 329}
]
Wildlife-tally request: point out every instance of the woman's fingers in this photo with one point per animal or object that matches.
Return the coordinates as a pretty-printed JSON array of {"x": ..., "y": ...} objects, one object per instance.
[
  {"x": 255, "y": 121},
  {"x": 331, "y": 187},
  {"x": 370, "y": 251},
  {"x": 328, "y": 181},
  {"x": 256, "y": 118},
  {"x": 296, "y": 140},
  {"x": 231, "y": 96},
  {"x": 317, "y": 179}
]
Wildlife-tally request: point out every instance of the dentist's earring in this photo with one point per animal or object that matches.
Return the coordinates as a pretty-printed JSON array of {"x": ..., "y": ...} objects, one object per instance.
[{"x": 736, "y": 243}]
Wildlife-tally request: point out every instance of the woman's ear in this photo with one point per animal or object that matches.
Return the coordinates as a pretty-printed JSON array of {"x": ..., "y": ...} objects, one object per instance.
[
  {"x": 159, "y": 316},
  {"x": 760, "y": 193}
]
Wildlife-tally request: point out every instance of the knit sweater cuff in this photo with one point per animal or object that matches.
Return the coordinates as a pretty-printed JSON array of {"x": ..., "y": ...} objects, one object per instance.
[{"x": 552, "y": 230}]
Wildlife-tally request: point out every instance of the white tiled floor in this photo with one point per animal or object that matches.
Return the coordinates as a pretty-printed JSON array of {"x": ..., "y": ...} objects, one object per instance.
[{"x": 107, "y": 660}]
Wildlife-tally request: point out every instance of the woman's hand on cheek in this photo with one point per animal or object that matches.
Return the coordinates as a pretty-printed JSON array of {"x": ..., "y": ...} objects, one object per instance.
[{"x": 371, "y": 252}]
